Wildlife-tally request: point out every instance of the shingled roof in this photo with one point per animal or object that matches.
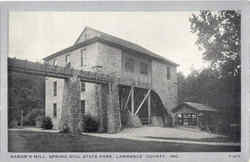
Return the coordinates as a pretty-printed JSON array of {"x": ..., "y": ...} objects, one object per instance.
[
  {"x": 113, "y": 41},
  {"x": 197, "y": 106}
]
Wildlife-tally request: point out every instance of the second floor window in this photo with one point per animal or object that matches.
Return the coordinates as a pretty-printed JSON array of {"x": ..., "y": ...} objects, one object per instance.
[
  {"x": 168, "y": 73},
  {"x": 129, "y": 65},
  {"x": 144, "y": 68},
  {"x": 83, "y": 86},
  {"x": 67, "y": 59},
  {"x": 83, "y": 57},
  {"x": 55, "y": 88},
  {"x": 54, "y": 62}
]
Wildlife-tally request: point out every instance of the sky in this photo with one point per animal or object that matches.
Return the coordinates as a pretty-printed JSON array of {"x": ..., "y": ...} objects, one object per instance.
[{"x": 35, "y": 35}]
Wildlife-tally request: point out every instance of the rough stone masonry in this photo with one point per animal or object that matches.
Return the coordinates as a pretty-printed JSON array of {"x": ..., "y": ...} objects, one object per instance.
[
  {"x": 72, "y": 118},
  {"x": 71, "y": 108}
]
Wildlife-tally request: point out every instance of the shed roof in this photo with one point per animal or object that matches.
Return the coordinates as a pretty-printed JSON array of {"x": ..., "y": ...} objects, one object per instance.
[
  {"x": 197, "y": 106},
  {"x": 113, "y": 41}
]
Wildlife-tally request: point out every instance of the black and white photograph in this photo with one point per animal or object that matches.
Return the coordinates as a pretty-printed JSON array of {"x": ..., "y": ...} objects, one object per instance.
[{"x": 165, "y": 81}]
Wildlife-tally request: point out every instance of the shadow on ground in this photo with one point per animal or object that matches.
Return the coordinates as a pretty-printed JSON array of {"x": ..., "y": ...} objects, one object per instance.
[
  {"x": 28, "y": 141},
  {"x": 216, "y": 139}
]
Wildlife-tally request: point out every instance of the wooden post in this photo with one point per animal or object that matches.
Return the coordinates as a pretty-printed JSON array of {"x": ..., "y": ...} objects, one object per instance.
[
  {"x": 132, "y": 100},
  {"x": 144, "y": 99},
  {"x": 149, "y": 108},
  {"x": 126, "y": 104}
]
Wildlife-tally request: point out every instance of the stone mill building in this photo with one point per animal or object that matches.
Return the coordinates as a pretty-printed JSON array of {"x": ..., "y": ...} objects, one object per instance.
[{"x": 146, "y": 82}]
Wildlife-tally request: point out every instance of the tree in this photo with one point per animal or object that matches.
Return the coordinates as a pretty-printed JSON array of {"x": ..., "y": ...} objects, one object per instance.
[
  {"x": 181, "y": 87},
  {"x": 25, "y": 92},
  {"x": 219, "y": 36}
]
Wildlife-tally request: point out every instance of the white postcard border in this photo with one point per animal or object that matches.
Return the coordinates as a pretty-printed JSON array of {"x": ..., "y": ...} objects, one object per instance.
[{"x": 5, "y": 7}]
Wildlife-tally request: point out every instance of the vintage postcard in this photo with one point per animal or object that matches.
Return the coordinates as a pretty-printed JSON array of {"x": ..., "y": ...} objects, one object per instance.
[{"x": 126, "y": 84}]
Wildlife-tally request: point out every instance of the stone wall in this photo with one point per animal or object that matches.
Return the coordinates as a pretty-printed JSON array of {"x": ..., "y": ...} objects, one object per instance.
[
  {"x": 109, "y": 58},
  {"x": 50, "y": 99},
  {"x": 136, "y": 75},
  {"x": 75, "y": 58},
  {"x": 71, "y": 116},
  {"x": 166, "y": 89},
  {"x": 97, "y": 54},
  {"x": 89, "y": 95},
  {"x": 113, "y": 108}
]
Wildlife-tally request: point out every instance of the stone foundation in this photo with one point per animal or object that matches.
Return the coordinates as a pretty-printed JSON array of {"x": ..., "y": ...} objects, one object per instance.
[
  {"x": 113, "y": 108},
  {"x": 71, "y": 117}
]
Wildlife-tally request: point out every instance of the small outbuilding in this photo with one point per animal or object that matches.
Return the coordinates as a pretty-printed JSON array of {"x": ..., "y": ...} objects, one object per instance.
[{"x": 191, "y": 114}]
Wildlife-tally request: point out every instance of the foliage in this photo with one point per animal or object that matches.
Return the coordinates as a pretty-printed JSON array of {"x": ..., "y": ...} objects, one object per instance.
[
  {"x": 25, "y": 92},
  {"x": 90, "y": 123},
  {"x": 39, "y": 120},
  {"x": 207, "y": 88},
  {"x": 13, "y": 115},
  {"x": 219, "y": 36},
  {"x": 31, "y": 117},
  {"x": 13, "y": 123},
  {"x": 65, "y": 128},
  {"x": 219, "y": 85},
  {"x": 47, "y": 123}
]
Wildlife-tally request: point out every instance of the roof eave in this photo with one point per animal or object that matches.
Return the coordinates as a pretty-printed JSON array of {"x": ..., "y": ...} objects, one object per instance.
[
  {"x": 122, "y": 47},
  {"x": 95, "y": 39},
  {"x": 69, "y": 49}
]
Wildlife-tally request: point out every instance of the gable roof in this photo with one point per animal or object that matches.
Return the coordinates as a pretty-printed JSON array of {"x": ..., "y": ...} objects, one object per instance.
[
  {"x": 113, "y": 41},
  {"x": 196, "y": 106}
]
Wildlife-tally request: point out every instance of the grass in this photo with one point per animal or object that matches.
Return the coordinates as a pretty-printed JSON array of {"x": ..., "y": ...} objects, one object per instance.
[{"x": 24, "y": 141}]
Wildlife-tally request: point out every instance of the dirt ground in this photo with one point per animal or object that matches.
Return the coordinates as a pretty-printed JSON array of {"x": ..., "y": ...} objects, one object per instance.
[{"x": 31, "y": 141}]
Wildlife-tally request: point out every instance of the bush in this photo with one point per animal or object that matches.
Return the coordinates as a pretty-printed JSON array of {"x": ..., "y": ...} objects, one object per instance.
[
  {"x": 90, "y": 124},
  {"x": 14, "y": 114},
  {"x": 30, "y": 118},
  {"x": 39, "y": 120},
  {"x": 65, "y": 129},
  {"x": 47, "y": 123},
  {"x": 13, "y": 124},
  {"x": 133, "y": 121},
  {"x": 223, "y": 127}
]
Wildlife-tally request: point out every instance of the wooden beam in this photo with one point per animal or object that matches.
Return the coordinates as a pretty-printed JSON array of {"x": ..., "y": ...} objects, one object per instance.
[
  {"x": 132, "y": 100},
  {"x": 149, "y": 108},
  {"x": 126, "y": 103},
  {"x": 146, "y": 96}
]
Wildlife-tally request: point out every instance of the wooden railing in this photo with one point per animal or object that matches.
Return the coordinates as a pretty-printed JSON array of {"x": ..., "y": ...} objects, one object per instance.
[
  {"x": 35, "y": 68},
  {"x": 28, "y": 67}
]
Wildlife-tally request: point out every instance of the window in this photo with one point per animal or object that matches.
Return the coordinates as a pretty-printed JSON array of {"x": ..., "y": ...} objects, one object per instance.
[
  {"x": 54, "y": 110},
  {"x": 144, "y": 68},
  {"x": 83, "y": 57},
  {"x": 168, "y": 73},
  {"x": 190, "y": 119},
  {"x": 83, "y": 86},
  {"x": 54, "y": 62},
  {"x": 67, "y": 59},
  {"x": 129, "y": 65},
  {"x": 82, "y": 106},
  {"x": 55, "y": 88}
]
